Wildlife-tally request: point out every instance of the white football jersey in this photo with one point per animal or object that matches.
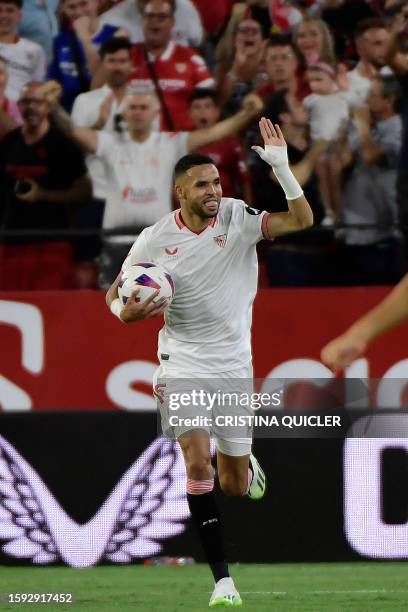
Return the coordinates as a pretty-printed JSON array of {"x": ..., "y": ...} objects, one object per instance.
[
  {"x": 208, "y": 324},
  {"x": 139, "y": 176},
  {"x": 25, "y": 62}
]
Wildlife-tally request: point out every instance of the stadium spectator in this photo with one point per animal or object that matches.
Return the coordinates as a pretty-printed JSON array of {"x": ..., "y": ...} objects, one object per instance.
[
  {"x": 10, "y": 107},
  {"x": 342, "y": 17},
  {"x": 315, "y": 41},
  {"x": 92, "y": 34},
  {"x": 241, "y": 71},
  {"x": 213, "y": 14},
  {"x": 139, "y": 168},
  {"x": 39, "y": 23},
  {"x": 100, "y": 109},
  {"x": 328, "y": 110},
  {"x": 172, "y": 70},
  {"x": 69, "y": 66},
  {"x": 373, "y": 256},
  {"x": 187, "y": 28},
  {"x": 371, "y": 44},
  {"x": 283, "y": 68},
  {"x": 397, "y": 59},
  {"x": 44, "y": 176},
  {"x": 25, "y": 59},
  {"x": 228, "y": 154}
]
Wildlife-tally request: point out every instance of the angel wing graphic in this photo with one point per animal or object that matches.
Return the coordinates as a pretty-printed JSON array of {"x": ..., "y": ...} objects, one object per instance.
[{"x": 147, "y": 505}]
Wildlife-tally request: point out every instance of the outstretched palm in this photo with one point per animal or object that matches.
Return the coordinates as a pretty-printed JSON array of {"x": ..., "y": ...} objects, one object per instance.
[
  {"x": 274, "y": 152},
  {"x": 272, "y": 135}
]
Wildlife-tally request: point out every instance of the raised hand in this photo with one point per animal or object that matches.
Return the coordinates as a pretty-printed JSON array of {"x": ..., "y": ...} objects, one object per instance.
[{"x": 275, "y": 151}]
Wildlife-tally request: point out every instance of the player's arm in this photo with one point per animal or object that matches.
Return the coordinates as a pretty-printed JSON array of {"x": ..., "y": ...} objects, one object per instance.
[
  {"x": 392, "y": 311},
  {"x": 251, "y": 108},
  {"x": 299, "y": 215}
]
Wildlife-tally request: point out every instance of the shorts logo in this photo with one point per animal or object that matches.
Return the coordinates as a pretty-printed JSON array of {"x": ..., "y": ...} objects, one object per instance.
[
  {"x": 158, "y": 392},
  {"x": 221, "y": 240},
  {"x": 172, "y": 251}
]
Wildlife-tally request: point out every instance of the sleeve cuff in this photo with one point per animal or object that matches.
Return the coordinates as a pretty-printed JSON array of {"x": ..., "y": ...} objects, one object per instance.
[{"x": 264, "y": 227}]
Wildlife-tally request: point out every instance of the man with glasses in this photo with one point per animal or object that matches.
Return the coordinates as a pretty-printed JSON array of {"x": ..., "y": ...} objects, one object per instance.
[
  {"x": 187, "y": 30},
  {"x": 173, "y": 70},
  {"x": 43, "y": 176}
]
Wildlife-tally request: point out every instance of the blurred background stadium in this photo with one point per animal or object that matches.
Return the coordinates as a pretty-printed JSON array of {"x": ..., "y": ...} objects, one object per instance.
[{"x": 91, "y": 498}]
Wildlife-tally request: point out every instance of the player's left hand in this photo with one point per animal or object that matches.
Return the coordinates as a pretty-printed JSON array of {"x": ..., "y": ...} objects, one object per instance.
[
  {"x": 33, "y": 195},
  {"x": 275, "y": 152}
]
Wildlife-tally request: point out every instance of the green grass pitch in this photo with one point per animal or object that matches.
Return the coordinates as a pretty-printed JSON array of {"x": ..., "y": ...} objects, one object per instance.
[{"x": 311, "y": 587}]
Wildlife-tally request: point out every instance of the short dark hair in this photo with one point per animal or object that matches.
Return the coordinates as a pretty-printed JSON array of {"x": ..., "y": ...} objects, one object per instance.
[
  {"x": 17, "y": 3},
  {"x": 190, "y": 161},
  {"x": 371, "y": 23},
  {"x": 391, "y": 88},
  {"x": 201, "y": 93},
  {"x": 114, "y": 44},
  {"x": 283, "y": 40}
]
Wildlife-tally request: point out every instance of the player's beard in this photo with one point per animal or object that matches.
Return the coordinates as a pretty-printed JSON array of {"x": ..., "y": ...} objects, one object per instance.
[{"x": 204, "y": 212}]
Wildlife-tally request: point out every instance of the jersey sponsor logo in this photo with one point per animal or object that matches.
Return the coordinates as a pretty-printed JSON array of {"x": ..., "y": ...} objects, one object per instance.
[
  {"x": 171, "y": 252},
  {"x": 181, "y": 68},
  {"x": 252, "y": 211},
  {"x": 221, "y": 240}
]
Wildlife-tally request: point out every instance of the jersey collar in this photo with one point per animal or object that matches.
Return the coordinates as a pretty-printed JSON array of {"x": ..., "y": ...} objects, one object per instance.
[{"x": 181, "y": 225}]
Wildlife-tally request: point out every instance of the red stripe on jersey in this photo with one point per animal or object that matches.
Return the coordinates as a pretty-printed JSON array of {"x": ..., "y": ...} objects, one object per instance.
[{"x": 264, "y": 227}]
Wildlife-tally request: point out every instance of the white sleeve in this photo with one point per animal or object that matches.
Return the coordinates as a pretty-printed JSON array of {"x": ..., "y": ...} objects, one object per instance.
[
  {"x": 252, "y": 223},
  {"x": 39, "y": 65},
  {"x": 138, "y": 253}
]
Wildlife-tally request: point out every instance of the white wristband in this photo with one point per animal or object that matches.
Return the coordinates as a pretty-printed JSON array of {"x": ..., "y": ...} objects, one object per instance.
[
  {"x": 288, "y": 182},
  {"x": 277, "y": 157},
  {"x": 116, "y": 308}
]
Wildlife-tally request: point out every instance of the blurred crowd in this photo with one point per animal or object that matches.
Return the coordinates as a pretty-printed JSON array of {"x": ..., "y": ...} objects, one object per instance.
[{"x": 99, "y": 99}]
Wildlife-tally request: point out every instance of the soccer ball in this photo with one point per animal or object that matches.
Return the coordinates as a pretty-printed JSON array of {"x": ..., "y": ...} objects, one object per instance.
[{"x": 148, "y": 277}]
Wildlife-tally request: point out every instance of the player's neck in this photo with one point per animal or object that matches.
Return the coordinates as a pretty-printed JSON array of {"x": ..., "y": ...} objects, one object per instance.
[{"x": 193, "y": 222}]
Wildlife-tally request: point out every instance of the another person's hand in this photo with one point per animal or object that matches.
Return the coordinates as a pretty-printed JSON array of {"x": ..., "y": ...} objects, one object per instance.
[
  {"x": 341, "y": 351},
  {"x": 105, "y": 110},
  {"x": 253, "y": 104},
  {"x": 31, "y": 196},
  {"x": 51, "y": 91},
  {"x": 135, "y": 310}
]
